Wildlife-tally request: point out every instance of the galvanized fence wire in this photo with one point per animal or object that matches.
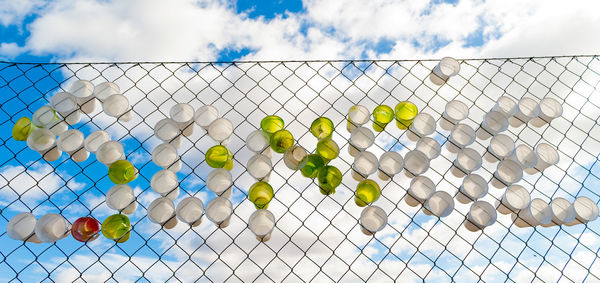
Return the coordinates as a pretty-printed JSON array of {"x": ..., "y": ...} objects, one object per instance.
[{"x": 316, "y": 238}]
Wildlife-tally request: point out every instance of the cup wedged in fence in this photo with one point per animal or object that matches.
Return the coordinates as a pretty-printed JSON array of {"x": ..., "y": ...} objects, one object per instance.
[
  {"x": 546, "y": 156},
  {"x": 271, "y": 124},
  {"x": 164, "y": 181},
  {"x": 220, "y": 129},
  {"x": 528, "y": 108},
  {"x": 219, "y": 156},
  {"x": 165, "y": 155},
  {"x": 322, "y": 127},
  {"x": 365, "y": 163},
  {"x": 440, "y": 204},
  {"x": 105, "y": 89},
  {"x": 358, "y": 115},
  {"x": 550, "y": 109},
  {"x": 537, "y": 213},
  {"x": 43, "y": 141},
  {"x": 261, "y": 194},
  {"x": 168, "y": 131},
  {"x": 110, "y": 152},
  {"x": 162, "y": 211},
  {"x": 310, "y": 165},
  {"x": 65, "y": 104},
  {"x": 423, "y": 125},
  {"x": 390, "y": 164},
  {"x": 508, "y": 172},
  {"x": 85, "y": 229},
  {"x": 372, "y": 219},
  {"x": 72, "y": 142},
  {"x": 361, "y": 138},
  {"x": 481, "y": 214},
  {"x": 219, "y": 211},
  {"x": 281, "y": 140},
  {"x": 190, "y": 211},
  {"x": 329, "y": 177},
  {"x": 261, "y": 223},
  {"x": 404, "y": 113},
  {"x": 420, "y": 190},
  {"x": 259, "y": 166},
  {"x": 446, "y": 68},
  {"x": 416, "y": 162},
  {"x": 59, "y": 127},
  {"x": 473, "y": 187},
  {"x": 117, "y": 106},
  {"x": 52, "y": 227},
  {"x": 468, "y": 160},
  {"x": 563, "y": 212},
  {"x": 506, "y": 106},
  {"x": 501, "y": 146},
  {"x": 462, "y": 135},
  {"x": 367, "y": 192},
  {"x": 22, "y": 227},
  {"x": 117, "y": 227},
  {"x": 428, "y": 146},
  {"x": 219, "y": 181},
  {"x": 382, "y": 115},
  {"x": 328, "y": 149},
  {"x": 586, "y": 210},
  {"x": 293, "y": 156},
  {"x": 183, "y": 115},
  {"x": 525, "y": 156},
  {"x": 121, "y": 198},
  {"x": 515, "y": 198},
  {"x": 455, "y": 111},
  {"x": 122, "y": 172},
  {"x": 494, "y": 122},
  {"x": 22, "y": 129},
  {"x": 94, "y": 140},
  {"x": 257, "y": 141},
  {"x": 205, "y": 115}
]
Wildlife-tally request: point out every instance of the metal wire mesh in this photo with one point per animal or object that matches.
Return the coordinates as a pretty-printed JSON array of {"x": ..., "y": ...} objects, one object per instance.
[{"x": 317, "y": 238}]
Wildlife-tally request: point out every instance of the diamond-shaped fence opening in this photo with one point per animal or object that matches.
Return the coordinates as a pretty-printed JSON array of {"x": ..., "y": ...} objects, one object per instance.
[{"x": 316, "y": 237}]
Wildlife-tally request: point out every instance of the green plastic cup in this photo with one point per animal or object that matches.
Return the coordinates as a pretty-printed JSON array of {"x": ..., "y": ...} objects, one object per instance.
[
  {"x": 382, "y": 115},
  {"x": 271, "y": 124},
  {"x": 23, "y": 127},
  {"x": 322, "y": 127},
  {"x": 281, "y": 140},
  {"x": 117, "y": 227},
  {"x": 329, "y": 178},
  {"x": 406, "y": 111},
  {"x": 367, "y": 192},
  {"x": 219, "y": 156},
  {"x": 310, "y": 165},
  {"x": 260, "y": 194},
  {"x": 328, "y": 149},
  {"x": 122, "y": 172}
]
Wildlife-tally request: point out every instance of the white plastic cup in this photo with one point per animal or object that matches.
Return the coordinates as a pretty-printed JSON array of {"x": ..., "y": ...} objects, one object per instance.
[
  {"x": 358, "y": 115},
  {"x": 121, "y": 198},
  {"x": 190, "y": 211},
  {"x": 440, "y": 204},
  {"x": 66, "y": 105},
  {"x": 173, "y": 195},
  {"x": 261, "y": 223},
  {"x": 506, "y": 106},
  {"x": 473, "y": 187},
  {"x": 422, "y": 125},
  {"x": 508, "y": 172},
  {"x": 219, "y": 211},
  {"x": 83, "y": 90},
  {"x": 455, "y": 111},
  {"x": 164, "y": 182},
  {"x": 586, "y": 211},
  {"x": 162, "y": 211},
  {"x": 537, "y": 213},
  {"x": 220, "y": 182},
  {"x": 168, "y": 131},
  {"x": 165, "y": 155},
  {"x": 59, "y": 127},
  {"x": 550, "y": 109},
  {"x": 420, "y": 190},
  {"x": 109, "y": 152},
  {"x": 365, "y": 163},
  {"x": 481, "y": 214},
  {"x": 546, "y": 156},
  {"x": 44, "y": 117},
  {"x": 430, "y": 147},
  {"x": 494, "y": 122},
  {"x": 515, "y": 198},
  {"x": 416, "y": 162},
  {"x": 563, "y": 212},
  {"x": 105, "y": 89},
  {"x": 43, "y": 141},
  {"x": 52, "y": 227},
  {"x": 205, "y": 115},
  {"x": 293, "y": 156},
  {"x": 361, "y": 138},
  {"x": 525, "y": 156},
  {"x": 372, "y": 219},
  {"x": 446, "y": 68},
  {"x": 528, "y": 109},
  {"x": 183, "y": 115},
  {"x": 501, "y": 146},
  {"x": 468, "y": 160},
  {"x": 462, "y": 135},
  {"x": 257, "y": 141},
  {"x": 94, "y": 140},
  {"x": 22, "y": 228},
  {"x": 259, "y": 166},
  {"x": 117, "y": 106},
  {"x": 71, "y": 142},
  {"x": 390, "y": 164},
  {"x": 220, "y": 129}
]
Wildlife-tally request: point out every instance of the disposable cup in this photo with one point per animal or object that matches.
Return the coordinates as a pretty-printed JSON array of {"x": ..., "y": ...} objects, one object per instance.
[
  {"x": 546, "y": 156},
  {"x": 257, "y": 141},
  {"x": 586, "y": 210},
  {"x": 422, "y": 125},
  {"x": 550, "y": 109},
  {"x": 168, "y": 131},
  {"x": 183, "y": 115},
  {"x": 106, "y": 89},
  {"x": 205, "y": 115},
  {"x": 528, "y": 109},
  {"x": 390, "y": 164},
  {"x": 481, "y": 214},
  {"x": 121, "y": 198},
  {"x": 22, "y": 228},
  {"x": 162, "y": 211},
  {"x": 219, "y": 181},
  {"x": 259, "y": 166},
  {"x": 59, "y": 127},
  {"x": 165, "y": 155},
  {"x": 219, "y": 211},
  {"x": 508, "y": 172},
  {"x": 52, "y": 227},
  {"x": 473, "y": 187},
  {"x": 109, "y": 152},
  {"x": 117, "y": 106},
  {"x": 455, "y": 111},
  {"x": 365, "y": 164},
  {"x": 462, "y": 135},
  {"x": 261, "y": 223},
  {"x": 515, "y": 198},
  {"x": 83, "y": 90},
  {"x": 71, "y": 142},
  {"x": 420, "y": 190},
  {"x": 372, "y": 219},
  {"x": 358, "y": 115},
  {"x": 468, "y": 160},
  {"x": 430, "y": 147},
  {"x": 440, "y": 204},
  {"x": 416, "y": 162},
  {"x": 44, "y": 117},
  {"x": 164, "y": 181},
  {"x": 190, "y": 210},
  {"x": 63, "y": 103},
  {"x": 43, "y": 141},
  {"x": 537, "y": 213},
  {"x": 563, "y": 212},
  {"x": 220, "y": 129},
  {"x": 94, "y": 140},
  {"x": 525, "y": 156},
  {"x": 172, "y": 195},
  {"x": 293, "y": 156},
  {"x": 494, "y": 122},
  {"x": 501, "y": 146},
  {"x": 506, "y": 106},
  {"x": 446, "y": 68}
]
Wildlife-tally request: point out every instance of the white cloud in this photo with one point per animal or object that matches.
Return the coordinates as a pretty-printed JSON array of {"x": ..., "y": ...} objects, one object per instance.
[
  {"x": 13, "y": 12},
  {"x": 10, "y": 50}
]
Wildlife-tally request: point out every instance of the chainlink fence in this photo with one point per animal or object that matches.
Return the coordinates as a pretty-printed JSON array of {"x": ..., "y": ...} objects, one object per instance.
[{"x": 316, "y": 237}]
